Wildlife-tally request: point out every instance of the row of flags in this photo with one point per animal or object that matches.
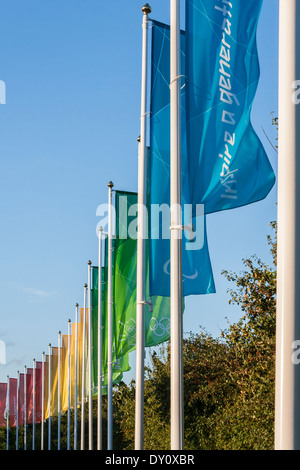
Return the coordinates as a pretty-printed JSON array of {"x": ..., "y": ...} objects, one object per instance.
[{"x": 223, "y": 166}]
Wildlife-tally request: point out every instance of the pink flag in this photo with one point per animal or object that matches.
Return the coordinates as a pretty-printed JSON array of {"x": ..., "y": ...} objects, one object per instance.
[
  {"x": 21, "y": 400},
  {"x": 3, "y": 393},
  {"x": 13, "y": 387}
]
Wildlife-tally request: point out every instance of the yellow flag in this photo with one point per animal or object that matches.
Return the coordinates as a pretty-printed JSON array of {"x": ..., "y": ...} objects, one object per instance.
[
  {"x": 64, "y": 373},
  {"x": 54, "y": 382}
]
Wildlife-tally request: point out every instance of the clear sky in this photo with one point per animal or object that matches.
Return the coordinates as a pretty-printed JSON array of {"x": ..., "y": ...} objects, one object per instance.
[{"x": 72, "y": 70}]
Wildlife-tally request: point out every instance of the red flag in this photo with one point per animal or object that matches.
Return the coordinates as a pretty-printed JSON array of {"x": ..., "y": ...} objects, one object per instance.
[
  {"x": 13, "y": 388},
  {"x": 38, "y": 391},
  {"x": 21, "y": 400},
  {"x": 3, "y": 393}
]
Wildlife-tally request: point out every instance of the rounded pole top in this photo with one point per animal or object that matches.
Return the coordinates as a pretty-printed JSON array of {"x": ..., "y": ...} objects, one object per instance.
[
  {"x": 139, "y": 138},
  {"x": 100, "y": 229},
  {"x": 77, "y": 305},
  {"x": 146, "y": 9},
  {"x": 89, "y": 263},
  {"x": 110, "y": 184},
  {"x": 85, "y": 286}
]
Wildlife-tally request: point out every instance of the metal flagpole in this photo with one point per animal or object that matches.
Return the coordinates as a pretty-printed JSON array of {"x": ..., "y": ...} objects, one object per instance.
[
  {"x": 142, "y": 226},
  {"x": 43, "y": 401},
  {"x": 99, "y": 415},
  {"x": 49, "y": 399},
  {"x": 83, "y": 370},
  {"x": 176, "y": 337},
  {"x": 69, "y": 385},
  {"x": 33, "y": 405},
  {"x": 7, "y": 415},
  {"x": 17, "y": 426},
  {"x": 109, "y": 326},
  {"x": 59, "y": 392},
  {"x": 287, "y": 401},
  {"x": 76, "y": 374},
  {"x": 25, "y": 408},
  {"x": 90, "y": 359}
]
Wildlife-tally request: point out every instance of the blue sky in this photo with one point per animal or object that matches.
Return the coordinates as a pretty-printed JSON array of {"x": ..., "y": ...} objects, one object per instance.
[{"x": 72, "y": 70}]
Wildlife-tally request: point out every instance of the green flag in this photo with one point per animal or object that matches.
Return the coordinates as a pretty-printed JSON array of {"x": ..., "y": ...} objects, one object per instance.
[
  {"x": 121, "y": 364},
  {"x": 157, "y": 314}
]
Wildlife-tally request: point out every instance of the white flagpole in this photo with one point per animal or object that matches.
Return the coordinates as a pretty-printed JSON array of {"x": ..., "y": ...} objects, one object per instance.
[
  {"x": 142, "y": 225},
  {"x": 25, "y": 408},
  {"x": 176, "y": 237},
  {"x": 83, "y": 371},
  {"x": 59, "y": 392},
  {"x": 109, "y": 326},
  {"x": 17, "y": 427},
  {"x": 99, "y": 415},
  {"x": 90, "y": 359},
  {"x": 33, "y": 405},
  {"x": 76, "y": 377},
  {"x": 49, "y": 399},
  {"x": 69, "y": 385},
  {"x": 43, "y": 401},
  {"x": 287, "y": 401},
  {"x": 7, "y": 415}
]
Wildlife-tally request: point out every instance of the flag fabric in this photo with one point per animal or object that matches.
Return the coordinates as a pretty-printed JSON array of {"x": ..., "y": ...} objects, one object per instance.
[
  {"x": 227, "y": 164},
  {"x": 79, "y": 356},
  {"x": 3, "y": 397},
  {"x": 64, "y": 373},
  {"x": 21, "y": 400},
  {"x": 83, "y": 344},
  {"x": 73, "y": 364},
  {"x": 196, "y": 265},
  {"x": 157, "y": 314},
  {"x": 54, "y": 381},
  {"x": 38, "y": 391},
  {"x": 120, "y": 364},
  {"x": 29, "y": 396},
  {"x": 13, "y": 388}
]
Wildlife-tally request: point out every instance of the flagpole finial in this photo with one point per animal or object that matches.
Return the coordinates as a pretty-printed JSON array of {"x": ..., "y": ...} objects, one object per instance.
[
  {"x": 100, "y": 229},
  {"x": 89, "y": 263},
  {"x": 146, "y": 9},
  {"x": 85, "y": 286},
  {"x": 110, "y": 184},
  {"x": 139, "y": 138}
]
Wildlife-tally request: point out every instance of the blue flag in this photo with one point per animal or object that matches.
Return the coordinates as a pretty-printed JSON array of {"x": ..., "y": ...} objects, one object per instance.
[
  {"x": 228, "y": 166},
  {"x": 196, "y": 265}
]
